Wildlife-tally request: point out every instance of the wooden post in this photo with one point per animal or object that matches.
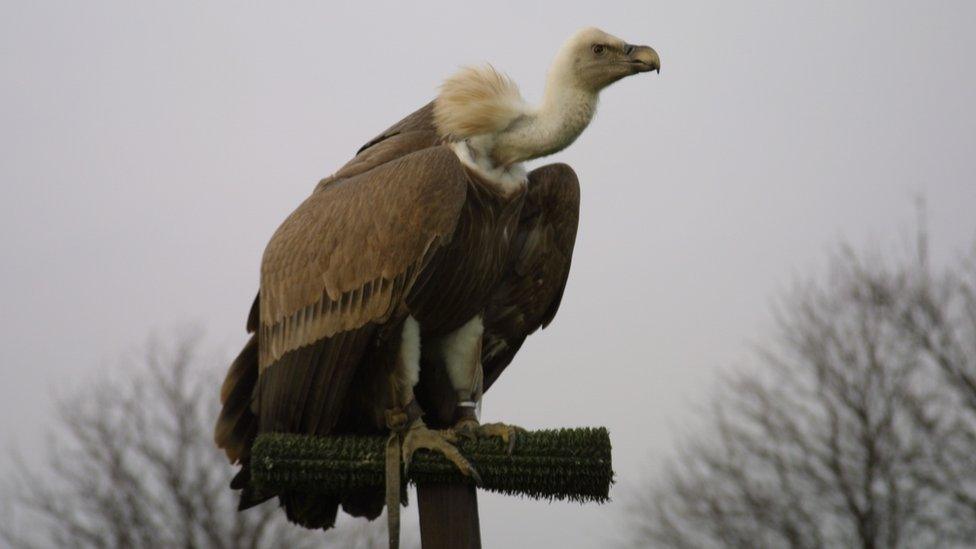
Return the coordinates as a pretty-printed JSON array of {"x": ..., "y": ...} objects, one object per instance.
[
  {"x": 448, "y": 516},
  {"x": 448, "y": 511}
]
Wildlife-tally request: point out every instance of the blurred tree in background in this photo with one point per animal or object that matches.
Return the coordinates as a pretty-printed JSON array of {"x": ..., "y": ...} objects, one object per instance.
[
  {"x": 857, "y": 428},
  {"x": 132, "y": 463}
]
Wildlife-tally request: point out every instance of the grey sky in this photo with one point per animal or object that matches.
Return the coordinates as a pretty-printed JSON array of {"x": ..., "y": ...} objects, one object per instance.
[{"x": 150, "y": 150}]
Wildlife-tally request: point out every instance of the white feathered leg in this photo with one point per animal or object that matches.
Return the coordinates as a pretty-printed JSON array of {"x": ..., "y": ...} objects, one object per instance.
[
  {"x": 461, "y": 353},
  {"x": 417, "y": 435}
]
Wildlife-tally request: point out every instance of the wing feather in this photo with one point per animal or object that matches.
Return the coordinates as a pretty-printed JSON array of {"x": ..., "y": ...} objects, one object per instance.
[
  {"x": 528, "y": 294},
  {"x": 337, "y": 267},
  {"x": 348, "y": 254}
]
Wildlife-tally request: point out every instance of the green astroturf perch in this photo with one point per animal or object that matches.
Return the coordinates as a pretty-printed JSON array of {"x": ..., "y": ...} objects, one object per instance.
[{"x": 566, "y": 464}]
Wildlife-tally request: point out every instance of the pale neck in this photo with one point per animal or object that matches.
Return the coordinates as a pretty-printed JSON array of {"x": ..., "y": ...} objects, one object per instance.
[{"x": 562, "y": 116}]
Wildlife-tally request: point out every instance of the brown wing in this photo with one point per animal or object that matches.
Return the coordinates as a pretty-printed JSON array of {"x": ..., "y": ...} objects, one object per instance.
[
  {"x": 338, "y": 267},
  {"x": 335, "y": 270},
  {"x": 236, "y": 425},
  {"x": 413, "y": 133},
  {"x": 528, "y": 295},
  {"x": 421, "y": 121},
  {"x": 347, "y": 255}
]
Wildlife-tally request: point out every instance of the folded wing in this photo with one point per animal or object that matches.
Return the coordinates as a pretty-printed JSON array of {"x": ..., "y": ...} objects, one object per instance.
[
  {"x": 348, "y": 254},
  {"x": 528, "y": 295}
]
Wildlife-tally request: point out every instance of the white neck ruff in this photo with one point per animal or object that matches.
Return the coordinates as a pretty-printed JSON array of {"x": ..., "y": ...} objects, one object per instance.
[{"x": 507, "y": 180}]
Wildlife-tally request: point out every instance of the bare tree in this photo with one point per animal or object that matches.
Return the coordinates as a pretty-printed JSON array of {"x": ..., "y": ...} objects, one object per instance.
[
  {"x": 857, "y": 428},
  {"x": 132, "y": 464}
]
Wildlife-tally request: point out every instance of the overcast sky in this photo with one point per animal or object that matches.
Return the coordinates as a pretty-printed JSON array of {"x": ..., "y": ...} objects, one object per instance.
[{"x": 149, "y": 150}]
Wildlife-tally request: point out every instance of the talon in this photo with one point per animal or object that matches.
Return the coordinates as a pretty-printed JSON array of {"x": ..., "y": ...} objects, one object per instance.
[
  {"x": 476, "y": 476},
  {"x": 449, "y": 435},
  {"x": 508, "y": 433},
  {"x": 419, "y": 436},
  {"x": 467, "y": 428}
]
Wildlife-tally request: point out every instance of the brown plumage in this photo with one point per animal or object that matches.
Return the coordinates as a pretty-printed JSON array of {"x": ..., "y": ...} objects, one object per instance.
[
  {"x": 374, "y": 239},
  {"x": 390, "y": 234},
  {"x": 424, "y": 257},
  {"x": 527, "y": 295}
]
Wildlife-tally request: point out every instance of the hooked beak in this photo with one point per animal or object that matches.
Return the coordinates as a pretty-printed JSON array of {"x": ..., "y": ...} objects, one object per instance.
[{"x": 643, "y": 58}]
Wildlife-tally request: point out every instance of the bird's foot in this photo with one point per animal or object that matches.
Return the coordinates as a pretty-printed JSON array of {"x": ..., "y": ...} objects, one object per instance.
[
  {"x": 419, "y": 436},
  {"x": 470, "y": 428}
]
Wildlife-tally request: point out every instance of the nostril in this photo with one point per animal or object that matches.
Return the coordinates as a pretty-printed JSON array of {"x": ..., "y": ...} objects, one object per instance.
[{"x": 628, "y": 48}]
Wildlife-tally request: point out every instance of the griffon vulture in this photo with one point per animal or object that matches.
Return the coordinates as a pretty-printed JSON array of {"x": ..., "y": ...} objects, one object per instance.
[{"x": 409, "y": 278}]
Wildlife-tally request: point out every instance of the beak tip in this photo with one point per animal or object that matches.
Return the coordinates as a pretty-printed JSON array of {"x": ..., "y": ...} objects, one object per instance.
[{"x": 647, "y": 56}]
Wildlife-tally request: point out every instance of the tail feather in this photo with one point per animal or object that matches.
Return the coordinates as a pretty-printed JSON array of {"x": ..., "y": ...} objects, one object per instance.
[
  {"x": 237, "y": 424},
  {"x": 310, "y": 511},
  {"x": 367, "y": 504},
  {"x": 235, "y": 431},
  {"x": 249, "y": 496}
]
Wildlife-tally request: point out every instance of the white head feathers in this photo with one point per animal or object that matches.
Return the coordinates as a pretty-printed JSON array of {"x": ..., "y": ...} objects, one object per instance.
[{"x": 484, "y": 107}]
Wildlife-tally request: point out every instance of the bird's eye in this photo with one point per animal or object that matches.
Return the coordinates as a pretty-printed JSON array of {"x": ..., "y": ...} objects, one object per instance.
[{"x": 598, "y": 49}]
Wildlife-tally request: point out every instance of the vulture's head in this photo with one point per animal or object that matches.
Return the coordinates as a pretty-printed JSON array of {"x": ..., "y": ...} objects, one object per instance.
[
  {"x": 592, "y": 59},
  {"x": 484, "y": 107}
]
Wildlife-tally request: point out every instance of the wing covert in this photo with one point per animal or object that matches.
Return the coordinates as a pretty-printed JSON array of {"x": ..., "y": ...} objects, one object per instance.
[{"x": 347, "y": 255}]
